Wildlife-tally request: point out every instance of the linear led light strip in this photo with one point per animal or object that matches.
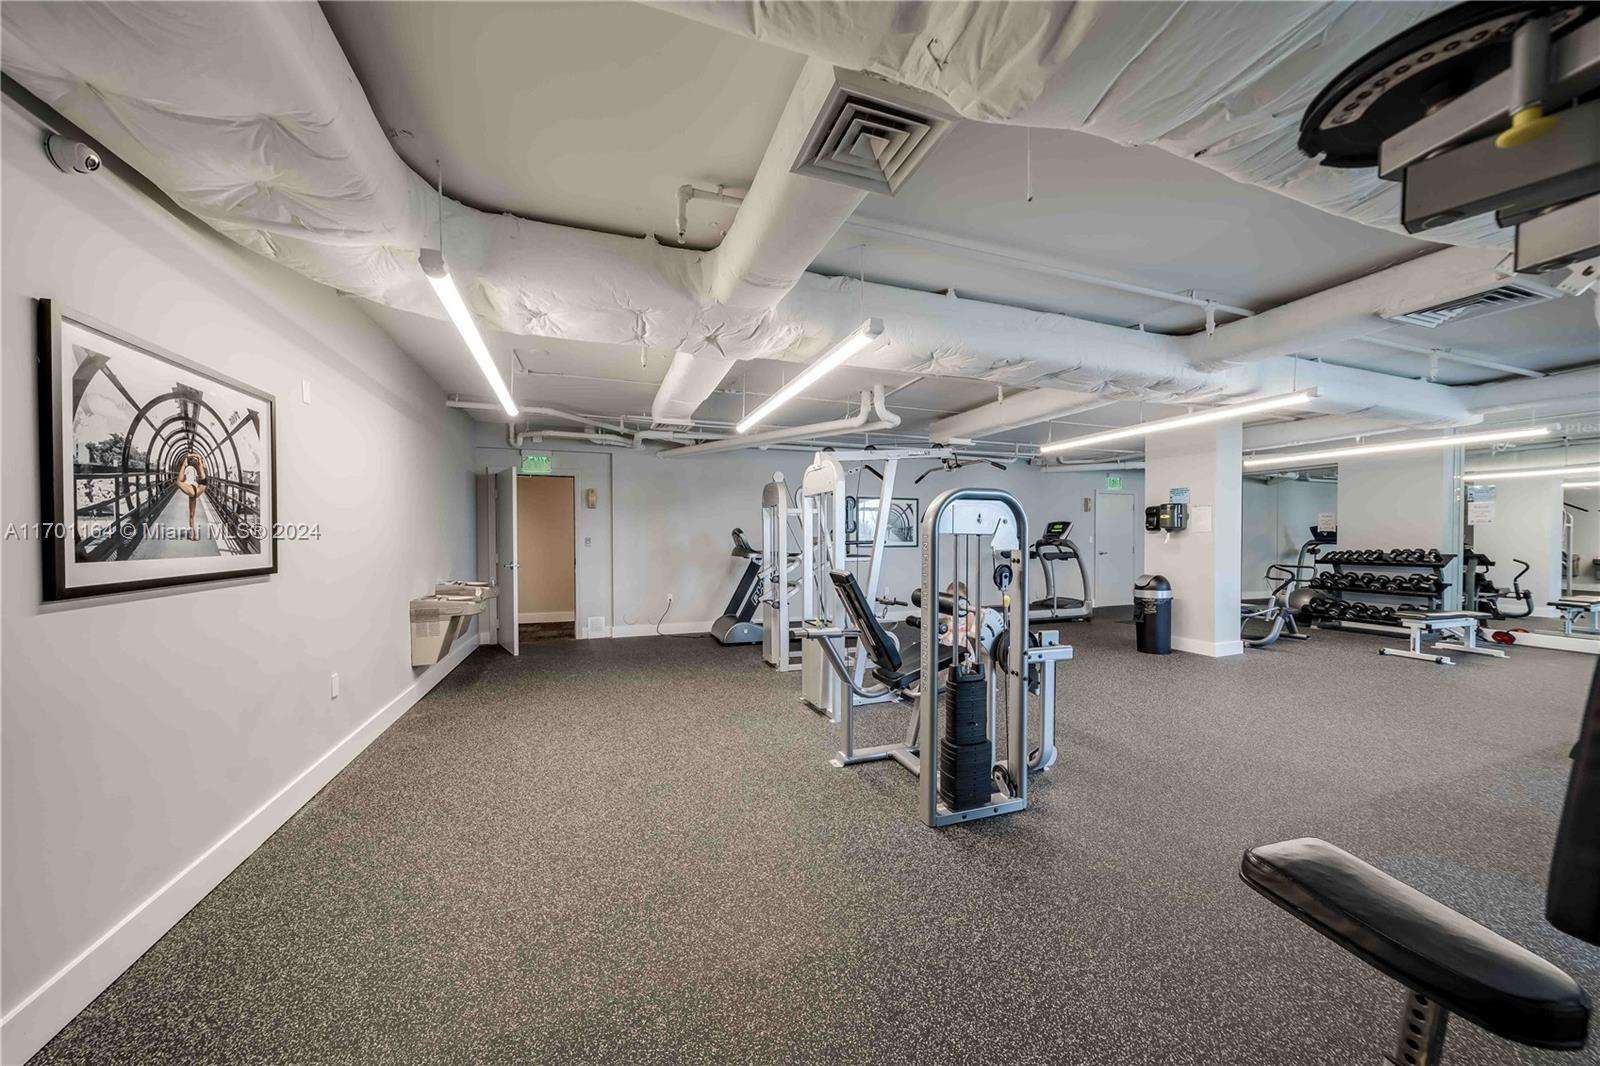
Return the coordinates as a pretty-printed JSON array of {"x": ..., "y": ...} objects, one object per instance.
[
  {"x": 1201, "y": 418},
  {"x": 1300, "y": 458},
  {"x": 1580, "y": 484},
  {"x": 444, "y": 287},
  {"x": 1532, "y": 471},
  {"x": 865, "y": 338}
]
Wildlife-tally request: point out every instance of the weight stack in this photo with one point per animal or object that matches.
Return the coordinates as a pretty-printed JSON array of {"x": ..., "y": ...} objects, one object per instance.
[{"x": 966, "y": 754}]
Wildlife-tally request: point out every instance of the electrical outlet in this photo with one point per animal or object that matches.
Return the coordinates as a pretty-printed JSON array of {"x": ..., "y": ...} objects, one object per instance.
[
  {"x": 333, "y": 686},
  {"x": 588, "y": 542}
]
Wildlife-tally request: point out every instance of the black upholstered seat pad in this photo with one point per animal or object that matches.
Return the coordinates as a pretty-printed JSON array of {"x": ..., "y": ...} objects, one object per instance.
[
  {"x": 910, "y": 670},
  {"x": 1421, "y": 943}
]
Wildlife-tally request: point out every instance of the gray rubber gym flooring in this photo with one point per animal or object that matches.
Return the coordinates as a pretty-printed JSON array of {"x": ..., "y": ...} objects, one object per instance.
[{"x": 636, "y": 852}]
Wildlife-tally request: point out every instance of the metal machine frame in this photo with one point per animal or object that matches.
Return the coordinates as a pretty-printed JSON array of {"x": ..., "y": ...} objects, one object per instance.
[
  {"x": 776, "y": 647},
  {"x": 824, "y": 545},
  {"x": 961, "y": 514}
]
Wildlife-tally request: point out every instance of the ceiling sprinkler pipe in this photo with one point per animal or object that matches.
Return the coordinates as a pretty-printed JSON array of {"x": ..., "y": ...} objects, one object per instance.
[{"x": 873, "y": 417}]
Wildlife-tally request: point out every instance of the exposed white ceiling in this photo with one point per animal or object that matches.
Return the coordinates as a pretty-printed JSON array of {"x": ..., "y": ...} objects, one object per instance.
[
  {"x": 585, "y": 114},
  {"x": 592, "y": 114}
]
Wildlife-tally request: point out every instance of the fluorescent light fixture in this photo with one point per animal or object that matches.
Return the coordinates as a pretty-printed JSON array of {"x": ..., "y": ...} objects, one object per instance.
[
  {"x": 1302, "y": 458},
  {"x": 445, "y": 288},
  {"x": 865, "y": 338},
  {"x": 1514, "y": 473},
  {"x": 1200, "y": 418},
  {"x": 1580, "y": 484}
]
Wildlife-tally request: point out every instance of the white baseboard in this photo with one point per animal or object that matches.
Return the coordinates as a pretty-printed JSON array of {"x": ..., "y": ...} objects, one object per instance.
[
  {"x": 547, "y": 616},
  {"x": 667, "y": 629},
  {"x": 45, "y": 1010},
  {"x": 1557, "y": 642},
  {"x": 1219, "y": 649}
]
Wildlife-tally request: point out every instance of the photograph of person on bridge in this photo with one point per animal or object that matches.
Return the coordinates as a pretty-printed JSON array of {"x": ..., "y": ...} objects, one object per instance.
[{"x": 162, "y": 469}]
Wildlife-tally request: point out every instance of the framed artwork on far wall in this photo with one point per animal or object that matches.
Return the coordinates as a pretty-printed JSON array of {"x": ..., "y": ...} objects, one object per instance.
[
  {"x": 861, "y": 524},
  {"x": 155, "y": 470}
]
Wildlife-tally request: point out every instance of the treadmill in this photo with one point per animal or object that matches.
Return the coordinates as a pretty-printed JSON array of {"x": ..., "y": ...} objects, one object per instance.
[{"x": 1052, "y": 548}]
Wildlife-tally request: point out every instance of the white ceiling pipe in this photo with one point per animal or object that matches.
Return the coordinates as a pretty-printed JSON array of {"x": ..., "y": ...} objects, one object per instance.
[
  {"x": 872, "y": 417},
  {"x": 898, "y": 231},
  {"x": 1320, "y": 430},
  {"x": 1354, "y": 309},
  {"x": 465, "y": 403},
  {"x": 1073, "y": 468},
  {"x": 1453, "y": 355},
  {"x": 1018, "y": 409},
  {"x": 536, "y": 436}
]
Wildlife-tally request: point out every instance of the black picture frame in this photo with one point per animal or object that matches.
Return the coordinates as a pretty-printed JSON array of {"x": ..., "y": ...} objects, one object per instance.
[
  {"x": 60, "y": 511},
  {"x": 859, "y": 542}
]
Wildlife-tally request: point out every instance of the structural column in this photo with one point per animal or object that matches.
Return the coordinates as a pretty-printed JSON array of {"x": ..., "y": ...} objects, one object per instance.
[
  {"x": 1404, "y": 501},
  {"x": 1202, "y": 561}
]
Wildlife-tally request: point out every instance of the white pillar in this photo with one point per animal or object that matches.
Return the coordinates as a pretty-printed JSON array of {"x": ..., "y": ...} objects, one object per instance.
[
  {"x": 1404, "y": 501},
  {"x": 1203, "y": 561}
]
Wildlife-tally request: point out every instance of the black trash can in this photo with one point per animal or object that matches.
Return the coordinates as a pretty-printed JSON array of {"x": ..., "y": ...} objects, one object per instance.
[{"x": 1152, "y": 614}]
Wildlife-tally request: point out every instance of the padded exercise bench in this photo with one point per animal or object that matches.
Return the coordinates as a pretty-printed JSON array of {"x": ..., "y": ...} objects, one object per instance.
[
  {"x": 1573, "y": 608},
  {"x": 1448, "y": 963},
  {"x": 1460, "y": 628}
]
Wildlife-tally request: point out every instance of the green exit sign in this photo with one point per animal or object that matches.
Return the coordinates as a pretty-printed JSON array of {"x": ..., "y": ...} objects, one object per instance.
[
  {"x": 535, "y": 464},
  {"x": 1113, "y": 481}
]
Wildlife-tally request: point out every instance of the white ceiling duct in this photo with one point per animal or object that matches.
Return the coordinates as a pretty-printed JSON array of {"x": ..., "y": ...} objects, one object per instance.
[
  {"x": 1574, "y": 389},
  {"x": 1351, "y": 310},
  {"x": 249, "y": 116},
  {"x": 1222, "y": 84}
]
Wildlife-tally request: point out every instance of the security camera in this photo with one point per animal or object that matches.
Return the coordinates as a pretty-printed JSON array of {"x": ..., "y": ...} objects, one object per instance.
[{"x": 71, "y": 156}]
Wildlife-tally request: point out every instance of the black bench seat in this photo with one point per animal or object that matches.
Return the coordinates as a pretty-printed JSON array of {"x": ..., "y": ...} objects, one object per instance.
[{"x": 1464, "y": 967}]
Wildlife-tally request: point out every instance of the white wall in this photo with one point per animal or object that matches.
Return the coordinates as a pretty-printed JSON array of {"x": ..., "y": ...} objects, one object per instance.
[
  {"x": 128, "y": 792},
  {"x": 1526, "y": 526},
  {"x": 670, "y": 519},
  {"x": 1278, "y": 518},
  {"x": 1202, "y": 565}
]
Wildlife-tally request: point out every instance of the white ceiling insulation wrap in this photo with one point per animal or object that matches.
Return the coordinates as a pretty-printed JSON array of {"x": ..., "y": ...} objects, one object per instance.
[
  {"x": 249, "y": 116},
  {"x": 1224, "y": 84}
]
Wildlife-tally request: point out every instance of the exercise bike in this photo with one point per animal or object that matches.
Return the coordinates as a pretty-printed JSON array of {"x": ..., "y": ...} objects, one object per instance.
[
  {"x": 1487, "y": 596},
  {"x": 1262, "y": 624}
]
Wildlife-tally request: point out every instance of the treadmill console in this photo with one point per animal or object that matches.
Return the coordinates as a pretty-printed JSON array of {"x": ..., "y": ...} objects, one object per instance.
[{"x": 1056, "y": 532}]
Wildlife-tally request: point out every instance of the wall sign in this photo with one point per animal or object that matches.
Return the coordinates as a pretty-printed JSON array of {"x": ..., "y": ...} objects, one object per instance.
[
  {"x": 1178, "y": 496},
  {"x": 535, "y": 465},
  {"x": 1480, "y": 505},
  {"x": 157, "y": 470},
  {"x": 1113, "y": 482},
  {"x": 1327, "y": 522}
]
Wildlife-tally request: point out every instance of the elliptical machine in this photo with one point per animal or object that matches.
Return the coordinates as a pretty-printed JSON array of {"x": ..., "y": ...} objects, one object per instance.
[
  {"x": 735, "y": 625},
  {"x": 1051, "y": 548}
]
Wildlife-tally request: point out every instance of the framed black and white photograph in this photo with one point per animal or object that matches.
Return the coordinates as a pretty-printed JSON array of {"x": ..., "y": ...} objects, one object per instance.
[
  {"x": 861, "y": 524},
  {"x": 156, "y": 470}
]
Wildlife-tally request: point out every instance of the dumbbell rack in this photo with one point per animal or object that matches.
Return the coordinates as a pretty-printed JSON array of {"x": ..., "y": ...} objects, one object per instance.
[{"x": 1431, "y": 601}]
